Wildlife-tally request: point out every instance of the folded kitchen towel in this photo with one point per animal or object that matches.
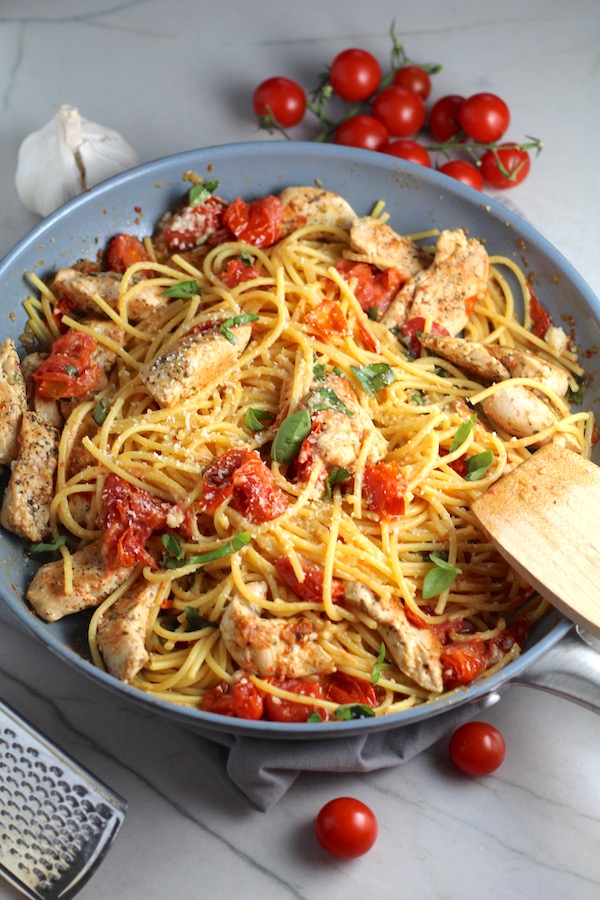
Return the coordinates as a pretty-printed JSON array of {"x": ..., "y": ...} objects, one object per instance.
[{"x": 259, "y": 771}]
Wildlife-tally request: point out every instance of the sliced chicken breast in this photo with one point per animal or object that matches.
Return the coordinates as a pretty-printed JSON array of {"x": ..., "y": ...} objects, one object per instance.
[
  {"x": 13, "y": 401},
  {"x": 122, "y": 630}
]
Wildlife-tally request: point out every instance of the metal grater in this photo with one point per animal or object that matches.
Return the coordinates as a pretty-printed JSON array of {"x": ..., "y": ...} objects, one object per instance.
[{"x": 57, "y": 821}]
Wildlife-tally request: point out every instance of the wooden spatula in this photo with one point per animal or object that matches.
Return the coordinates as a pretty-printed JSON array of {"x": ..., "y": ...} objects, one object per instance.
[{"x": 544, "y": 518}]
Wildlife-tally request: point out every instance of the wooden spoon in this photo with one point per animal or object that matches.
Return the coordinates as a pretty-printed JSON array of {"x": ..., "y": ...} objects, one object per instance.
[{"x": 544, "y": 518}]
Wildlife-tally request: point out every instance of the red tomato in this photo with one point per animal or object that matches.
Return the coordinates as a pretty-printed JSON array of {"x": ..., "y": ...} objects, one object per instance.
[
  {"x": 243, "y": 476},
  {"x": 280, "y": 98},
  {"x": 375, "y": 288},
  {"x": 540, "y": 319},
  {"x": 259, "y": 222},
  {"x": 505, "y": 167},
  {"x": 354, "y": 75},
  {"x": 463, "y": 171},
  {"x": 241, "y": 700},
  {"x": 362, "y": 131},
  {"x": 192, "y": 226},
  {"x": 484, "y": 117},
  {"x": 410, "y": 150},
  {"x": 477, "y": 748},
  {"x": 327, "y": 319},
  {"x": 69, "y": 370},
  {"x": 280, "y": 710},
  {"x": 443, "y": 118},
  {"x": 311, "y": 589},
  {"x": 402, "y": 111},
  {"x": 346, "y": 827},
  {"x": 384, "y": 487},
  {"x": 413, "y": 327},
  {"x": 237, "y": 271},
  {"x": 462, "y": 662},
  {"x": 123, "y": 251},
  {"x": 414, "y": 78},
  {"x": 345, "y": 689}
]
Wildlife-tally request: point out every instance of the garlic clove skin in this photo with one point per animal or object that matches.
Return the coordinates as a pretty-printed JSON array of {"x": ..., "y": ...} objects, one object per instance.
[{"x": 67, "y": 156}]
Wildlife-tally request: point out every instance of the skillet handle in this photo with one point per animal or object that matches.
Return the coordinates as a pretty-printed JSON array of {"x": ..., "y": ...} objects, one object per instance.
[{"x": 570, "y": 669}]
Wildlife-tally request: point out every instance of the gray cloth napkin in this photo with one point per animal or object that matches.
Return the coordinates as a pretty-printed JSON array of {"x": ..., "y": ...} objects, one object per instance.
[{"x": 258, "y": 772}]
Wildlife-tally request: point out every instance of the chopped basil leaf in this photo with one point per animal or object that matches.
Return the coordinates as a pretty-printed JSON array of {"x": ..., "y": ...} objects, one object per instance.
[
  {"x": 246, "y": 257},
  {"x": 418, "y": 398},
  {"x": 70, "y": 369},
  {"x": 182, "y": 289},
  {"x": 439, "y": 578},
  {"x": 462, "y": 432},
  {"x": 174, "y": 550},
  {"x": 196, "y": 621},
  {"x": 326, "y": 398},
  {"x": 376, "y": 673},
  {"x": 101, "y": 411},
  {"x": 201, "y": 192},
  {"x": 336, "y": 476},
  {"x": 231, "y": 323},
  {"x": 373, "y": 313},
  {"x": 254, "y": 418},
  {"x": 354, "y": 711},
  {"x": 374, "y": 377},
  {"x": 338, "y": 371},
  {"x": 226, "y": 549},
  {"x": 577, "y": 396},
  {"x": 478, "y": 465},
  {"x": 319, "y": 371},
  {"x": 49, "y": 546},
  {"x": 315, "y": 716},
  {"x": 290, "y": 435}
]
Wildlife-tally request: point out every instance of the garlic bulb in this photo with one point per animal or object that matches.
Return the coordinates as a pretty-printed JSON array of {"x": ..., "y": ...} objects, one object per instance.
[{"x": 67, "y": 156}]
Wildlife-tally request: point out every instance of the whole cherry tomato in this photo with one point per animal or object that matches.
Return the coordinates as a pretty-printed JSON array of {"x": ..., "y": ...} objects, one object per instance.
[
  {"x": 410, "y": 150},
  {"x": 484, "y": 117},
  {"x": 282, "y": 98},
  {"x": 403, "y": 112},
  {"x": 477, "y": 748},
  {"x": 443, "y": 118},
  {"x": 506, "y": 167},
  {"x": 362, "y": 131},
  {"x": 346, "y": 827},
  {"x": 415, "y": 79},
  {"x": 354, "y": 75},
  {"x": 463, "y": 171}
]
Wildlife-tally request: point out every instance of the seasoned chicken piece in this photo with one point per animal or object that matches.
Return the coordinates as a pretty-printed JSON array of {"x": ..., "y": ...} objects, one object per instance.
[
  {"x": 416, "y": 651},
  {"x": 92, "y": 583},
  {"x": 185, "y": 368},
  {"x": 314, "y": 206},
  {"x": 467, "y": 354},
  {"x": 26, "y": 504},
  {"x": 446, "y": 291},
  {"x": 13, "y": 401},
  {"x": 519, "y": 411},
  {"x": 282, "y": 648},
  {"x": 375, "y": 242},
  {"x": 524, "y": 364},
  {"x": 122, "y": 630},
  {"x": 81, "y": 289},
  {"x": 339, "y": 434}
]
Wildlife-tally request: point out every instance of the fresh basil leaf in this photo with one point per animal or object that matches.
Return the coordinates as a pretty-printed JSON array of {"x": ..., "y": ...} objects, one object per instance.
[
  {"x": 226, "y": 549},
  {"x": 196, "y": 621},
  {"x": 336, "y": 476},
  {"x": 439, "y": 578},
  {"x": 254, "y": 418},
  {"x": 231, "y": 323},
  {"x": 478, "y": 465},
  {"x": 246, "y": 257},
  {"x": 462, "y": 432},
  {"x": 174, "y": 549},
  {"x": 101, "y": 411},
  {"x": 315, "y": 716},
  {"x": 326, "y": 398},
  {"x": 290, "y": 434},
  {"x": 182, "y": 290},
  {"x": 48, "y": 546},
  {"x": 373, "y": 313},
  {"x": 319, "y": 370},
  {"x": 418, "y": 398},
  {"x": 374, "y": 377},
  {"x": 200, "y": 193},
  {"x": 577, "y": 396},
  {"x": 376, "y": 673},
  {"x": 354, "y": 711}
]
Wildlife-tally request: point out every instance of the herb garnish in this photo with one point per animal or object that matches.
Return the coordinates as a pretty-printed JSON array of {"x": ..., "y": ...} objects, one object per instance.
[
  {"x": 334, "y": 478},
  {"x": 182, "y": 289},
  {"x": 200, "y": 193},
  {"x": 354, "y": 711},
  {"x": 378, "y": 666},
  {"x": 290, "y": 435},
  {"x": 478, "y": 465},
  {"x": 462, "y": 432},
  {"x": 49, "y": 546},
  {"x": 254, "y": 418},
  {"x": 374, "y": 377},
  {"x": 231, "y": 323},
  {"x": 439, "y": 578},
  {"x": 174, "y": 558}
]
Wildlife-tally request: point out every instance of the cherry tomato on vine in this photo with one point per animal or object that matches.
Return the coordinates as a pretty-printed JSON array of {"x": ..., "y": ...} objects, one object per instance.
[
  {"x": 463, "y": 171},
  {"x": 407, "y": 149},
  {"x": 443, "y": 118},
  {"x": 477, "y": 748},
  {"x": 346, "y": 827},
  {"x": 506, "y": 167},
  {"x": 283, "y": 98},
  {"x": 362, "y": 131},
  {"x": 354, "y": 75},
  {"x": 402, "y": 111},
  {"x": 484, "y": 117},
  {"x": 414, "y": 78}
]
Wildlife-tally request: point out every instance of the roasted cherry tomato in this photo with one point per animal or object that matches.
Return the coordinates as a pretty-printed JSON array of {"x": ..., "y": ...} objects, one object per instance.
[
  {"x": 259, "y": 222},
  {"x": 327, "y": 319},
  {"x": 477, "y": 748},
  {"x": 384, "y": 486},
  {"x": 374, "y": 288},
  {"x": 237, "y": 271},
  {"x": 345, "y": 689},
  {"x": 346, "y": 827},
  {"x": 505, "y": 167},
  {"x": 463, "y": 171},
  {"x": 403, "y": 112},
  {"x": 69, "y": 370},
  {"x": 311, "y": 589},
  {"x": 411, "y": 329},
  {"x": 123, "y": 251},
  {"x": 414, "y": 78},
  {"x": 443, "y": 118},
  {"x": 362, "y": 131},
  {"x": 354, "y": 75},
  {"x": 240, "y": 700},
  {"x": 279, "y": 709},
  {"x": 192, "y": 226},
  {"x": 242, "y": 475},
  {"x": 484, "y": 117},
  {"x": 463, "y": 662},
  {"x": 410, "y": 150},
  {"x": 281, "y": 98}
]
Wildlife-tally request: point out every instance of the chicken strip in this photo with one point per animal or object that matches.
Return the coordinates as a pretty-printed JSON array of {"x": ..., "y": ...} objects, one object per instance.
[
  {"x": 375, "y": 242},
  {"x": 416, "y": 651},
  {"x": 314, "y": 206},
  {"x": 13, "y": 401},
  {"x": 519, "y": 411},
  {"x": 93, "y": 581},
  {"x": 122, "y": 630},
  {"x": 272, "y": 647},
  {"x": 466, "y": 354},
  {"x": 80, "y": 289},
  {"x": 189, "y": 365},
  {"x": 26, "y": 503},
  {"x": 524, "y": 364}
]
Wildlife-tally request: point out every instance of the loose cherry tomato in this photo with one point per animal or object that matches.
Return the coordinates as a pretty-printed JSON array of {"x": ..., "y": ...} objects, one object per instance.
[
  {"x": 410, "y": 150},
  {"x": 241, "y": 700},
  {"x": 282, "y": 98},
  {"x": 362, "y": 131},
  {"x": 259, "y": 222},
  {"x": 403, "y": 112},
  {"x": 279, "y": 709},
  {"x": 346, "y": 827},
  {"x": 354, "y": 75},
  {"x": 463, "y": 171},
  {"x": 443, "y": 118},
  {"x": 415, "y": 79},
  {"x": 484, "y": 117},
  {"x": 505, "y": 167},
  {"x": 477, "y": 748}
]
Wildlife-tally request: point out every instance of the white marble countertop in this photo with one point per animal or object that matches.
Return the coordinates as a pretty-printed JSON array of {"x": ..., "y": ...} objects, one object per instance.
[{"x": 177, "y": 75}]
